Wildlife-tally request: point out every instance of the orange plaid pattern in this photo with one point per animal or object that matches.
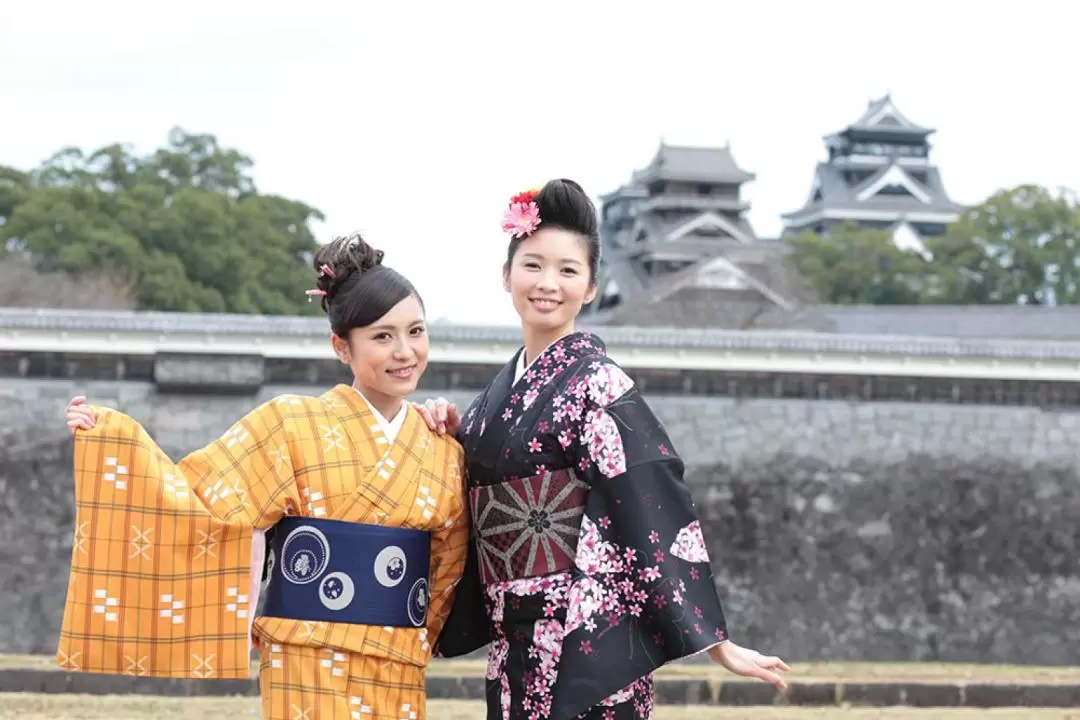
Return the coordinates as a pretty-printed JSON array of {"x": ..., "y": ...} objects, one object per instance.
[
  {"x": 161, "y": 562},
  {"x": 304, "y": 683}
]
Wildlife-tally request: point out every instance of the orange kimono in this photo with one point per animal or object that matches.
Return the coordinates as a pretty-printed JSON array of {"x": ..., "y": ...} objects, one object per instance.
[{"x": 162, "y": 578}]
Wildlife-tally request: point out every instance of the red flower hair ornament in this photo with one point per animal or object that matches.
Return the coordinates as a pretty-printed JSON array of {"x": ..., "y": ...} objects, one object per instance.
[{"x": 523, "y": 216}]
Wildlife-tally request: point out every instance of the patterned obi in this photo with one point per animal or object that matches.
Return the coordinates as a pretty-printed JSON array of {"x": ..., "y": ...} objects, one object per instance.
[
  {"x": 335, "y": 571},
  {"x": 528, "y": 527}
]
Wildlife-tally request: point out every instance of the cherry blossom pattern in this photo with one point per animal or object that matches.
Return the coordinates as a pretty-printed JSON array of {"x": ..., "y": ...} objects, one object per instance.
[
  {"x": 689, "y": 544},
  {"x": 639, "y": 692},
  {"x": 545, "y": 648},
  {"x": 579, "y": 413},
  {"x": 620, "y": 582}
]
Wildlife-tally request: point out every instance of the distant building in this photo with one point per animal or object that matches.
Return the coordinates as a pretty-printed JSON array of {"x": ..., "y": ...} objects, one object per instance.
[
  {"x": 878, "y": 175},
  {"x": 678, "y": 251}
]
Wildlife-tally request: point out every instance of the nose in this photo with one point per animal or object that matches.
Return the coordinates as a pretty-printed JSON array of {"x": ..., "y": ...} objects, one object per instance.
[
  {"x": 548, "y": 281},
  {"x": 402, "y": 350}
]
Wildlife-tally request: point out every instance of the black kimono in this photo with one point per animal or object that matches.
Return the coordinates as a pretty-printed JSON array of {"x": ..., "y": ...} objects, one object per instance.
[{"x": 587, "y": 569}]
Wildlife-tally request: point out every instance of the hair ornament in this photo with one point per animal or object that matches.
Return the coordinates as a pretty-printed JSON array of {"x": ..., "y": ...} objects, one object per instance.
[{"x": 523, "y": 216}]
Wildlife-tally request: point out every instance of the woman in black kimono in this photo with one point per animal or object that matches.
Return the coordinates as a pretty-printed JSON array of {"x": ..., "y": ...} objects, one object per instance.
[{"x": 588, "y": 570}]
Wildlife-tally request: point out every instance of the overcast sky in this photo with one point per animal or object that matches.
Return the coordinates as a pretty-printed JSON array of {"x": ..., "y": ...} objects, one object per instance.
[{"x": 415, "y": 122}]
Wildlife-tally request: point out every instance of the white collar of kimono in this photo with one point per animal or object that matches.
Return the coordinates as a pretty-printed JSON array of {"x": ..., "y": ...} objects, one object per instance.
[
  {"x": 521, "y": 367},
  {"x": 390, "y": 428}
]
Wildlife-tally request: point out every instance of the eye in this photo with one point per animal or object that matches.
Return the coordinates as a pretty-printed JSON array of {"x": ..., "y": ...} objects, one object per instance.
[
  {"x": 570, "y": 271},
  {"x": 382, "y": 336},
  {"x": 532, "y": 265},
  {"x": 418, "y": 331}
]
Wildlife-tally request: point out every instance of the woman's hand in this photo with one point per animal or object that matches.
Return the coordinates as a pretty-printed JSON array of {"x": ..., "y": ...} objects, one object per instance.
[
  {"x": 749, "y": 663},
  {"x": 440, "y": 415},
  {"x": 80, "y": 416}
]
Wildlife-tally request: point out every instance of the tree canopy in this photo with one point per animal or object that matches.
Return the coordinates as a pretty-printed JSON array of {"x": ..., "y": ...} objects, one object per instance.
[
  {"x": 1021, "y": 245},
  {"x": 180, "y": 229},
  {"x": 184, "y": 228}
]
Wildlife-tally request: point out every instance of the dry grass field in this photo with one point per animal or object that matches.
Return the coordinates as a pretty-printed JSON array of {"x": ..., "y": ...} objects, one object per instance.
[
  {"x": 75, "y": 707},
  {"x": 804, "y": 672},
  {"x": 28, "y": 706}
]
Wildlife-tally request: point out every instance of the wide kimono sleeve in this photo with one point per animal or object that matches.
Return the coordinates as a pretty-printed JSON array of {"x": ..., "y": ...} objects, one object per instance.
[
  {"x": 161, "y": 566},
  {"x": 467, "y": 627},
  {"x": 646, "y": 594},
  {"x": 449, "y": 548}
]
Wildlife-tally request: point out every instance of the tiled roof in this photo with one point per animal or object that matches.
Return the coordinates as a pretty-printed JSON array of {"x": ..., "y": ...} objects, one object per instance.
[
  {"x": 1017, "y": 322},
  {"x": 897, "y": 343},
  {"x": 693, "y": 164},
  {"x": 837, "y": 194}
]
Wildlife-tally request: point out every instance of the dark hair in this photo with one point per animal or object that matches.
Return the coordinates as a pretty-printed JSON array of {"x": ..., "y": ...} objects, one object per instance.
[
  {"x": 359, "y": 288},
  {"x": 564, "y": 205}
]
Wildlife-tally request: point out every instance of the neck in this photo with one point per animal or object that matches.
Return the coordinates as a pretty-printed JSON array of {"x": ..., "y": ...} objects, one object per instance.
[
  {"x": 537, "y": 339},
  {"x": 387, "y": 405}
]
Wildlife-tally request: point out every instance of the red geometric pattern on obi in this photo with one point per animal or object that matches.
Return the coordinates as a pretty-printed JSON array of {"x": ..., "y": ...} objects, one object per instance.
[{"x": 528, "y": 527}]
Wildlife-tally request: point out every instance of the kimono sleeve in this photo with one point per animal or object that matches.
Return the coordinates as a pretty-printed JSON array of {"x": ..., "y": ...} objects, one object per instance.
[
  {"x": 641, "y": 548},
  {"x": 161, "y": 565},
  {"x": 467, "y": 627},
  {"x": 449, "y": 548}
]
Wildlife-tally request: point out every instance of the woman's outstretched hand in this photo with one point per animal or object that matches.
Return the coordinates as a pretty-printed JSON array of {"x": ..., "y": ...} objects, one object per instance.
[
  {"x": 80, "y": 416},
  {"x": 749, "y": 663},
  {"x": 440, "y": 415}
]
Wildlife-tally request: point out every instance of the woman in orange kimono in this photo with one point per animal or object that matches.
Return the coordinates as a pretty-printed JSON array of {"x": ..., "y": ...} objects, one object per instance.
[{"x": 357, "y": 505}]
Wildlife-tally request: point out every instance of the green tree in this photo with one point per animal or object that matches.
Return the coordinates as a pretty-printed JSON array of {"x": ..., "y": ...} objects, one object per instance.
[
  {"x": 184, "y": 227},
  {"x": 1019, "y": 246},
  {"x": 857, "y": 266}
]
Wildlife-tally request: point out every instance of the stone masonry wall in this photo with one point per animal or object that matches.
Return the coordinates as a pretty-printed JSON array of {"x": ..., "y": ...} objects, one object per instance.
[{"x": 837, "y": 530}]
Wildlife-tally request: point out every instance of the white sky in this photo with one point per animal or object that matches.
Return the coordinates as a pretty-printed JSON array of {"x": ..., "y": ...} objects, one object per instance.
[{"x": 416, "y": 121}]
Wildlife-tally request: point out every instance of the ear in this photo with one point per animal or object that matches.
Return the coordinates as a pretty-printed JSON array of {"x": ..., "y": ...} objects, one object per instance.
[
  {"x": 591, "y": 294},
  {"x": 506, "y": 278},
  {"x": 341, "y": 348}
]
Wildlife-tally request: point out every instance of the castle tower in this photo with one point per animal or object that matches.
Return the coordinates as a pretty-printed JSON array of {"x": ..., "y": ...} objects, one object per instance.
[
  {"x": 678, "y": 251},
  {"x": 878, "y": 175}
]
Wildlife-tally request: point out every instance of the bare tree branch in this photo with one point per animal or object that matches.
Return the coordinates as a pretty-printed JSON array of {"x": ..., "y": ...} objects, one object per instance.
[{"x": 23, "y": 286}]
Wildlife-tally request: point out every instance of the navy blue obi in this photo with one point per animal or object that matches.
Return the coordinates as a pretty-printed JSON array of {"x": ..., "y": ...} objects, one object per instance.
[{"x": 335, "y": 571}]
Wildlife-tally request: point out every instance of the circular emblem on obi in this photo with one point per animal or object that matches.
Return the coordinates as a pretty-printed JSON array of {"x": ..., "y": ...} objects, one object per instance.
[
  {"x": 418, "y": 599},
  {"x": 390, "y": 566},
  {"x": 336, "y": 591},
  {"x": 304, "y": 555},
  {"x": 271, "y": 562}
]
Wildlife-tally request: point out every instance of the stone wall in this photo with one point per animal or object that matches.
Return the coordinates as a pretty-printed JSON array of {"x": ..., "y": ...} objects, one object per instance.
[{"x": 838, "y": 530}]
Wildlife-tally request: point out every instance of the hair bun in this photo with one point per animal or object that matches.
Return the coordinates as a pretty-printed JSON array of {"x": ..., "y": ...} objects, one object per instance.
[
  {"x": 341, "y": 261},
  {"x": 363, "y": 255},
  {"x": 563, "y": 203}
]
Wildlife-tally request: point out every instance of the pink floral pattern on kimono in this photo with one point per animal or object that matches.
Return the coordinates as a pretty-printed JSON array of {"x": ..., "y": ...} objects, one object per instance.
[
  {"x": 600, "y": 435},
  {"x": 608, "y": 588},
  {"x": 546, "y": 648},
  {"x": 689, "y": 544}
]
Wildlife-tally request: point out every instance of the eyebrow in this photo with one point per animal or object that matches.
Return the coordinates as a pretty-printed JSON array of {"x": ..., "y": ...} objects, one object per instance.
[
  {"x": 414, "y": 323},
  {"x": 537, "y": 256}
]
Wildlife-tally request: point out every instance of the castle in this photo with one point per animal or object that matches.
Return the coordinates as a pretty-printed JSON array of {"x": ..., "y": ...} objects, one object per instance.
[{"x": 678, "y": 249}]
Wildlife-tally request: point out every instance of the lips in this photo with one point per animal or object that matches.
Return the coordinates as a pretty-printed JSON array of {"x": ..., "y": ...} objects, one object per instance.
[
  {"x": 402, "y": 373},
  {"x": 544, "y": 304}
]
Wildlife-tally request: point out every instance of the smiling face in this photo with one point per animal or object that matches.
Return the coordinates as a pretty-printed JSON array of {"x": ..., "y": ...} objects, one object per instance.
[
  {"x": 549, "y": 280},
  {"x": 389, "y": 356}
]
